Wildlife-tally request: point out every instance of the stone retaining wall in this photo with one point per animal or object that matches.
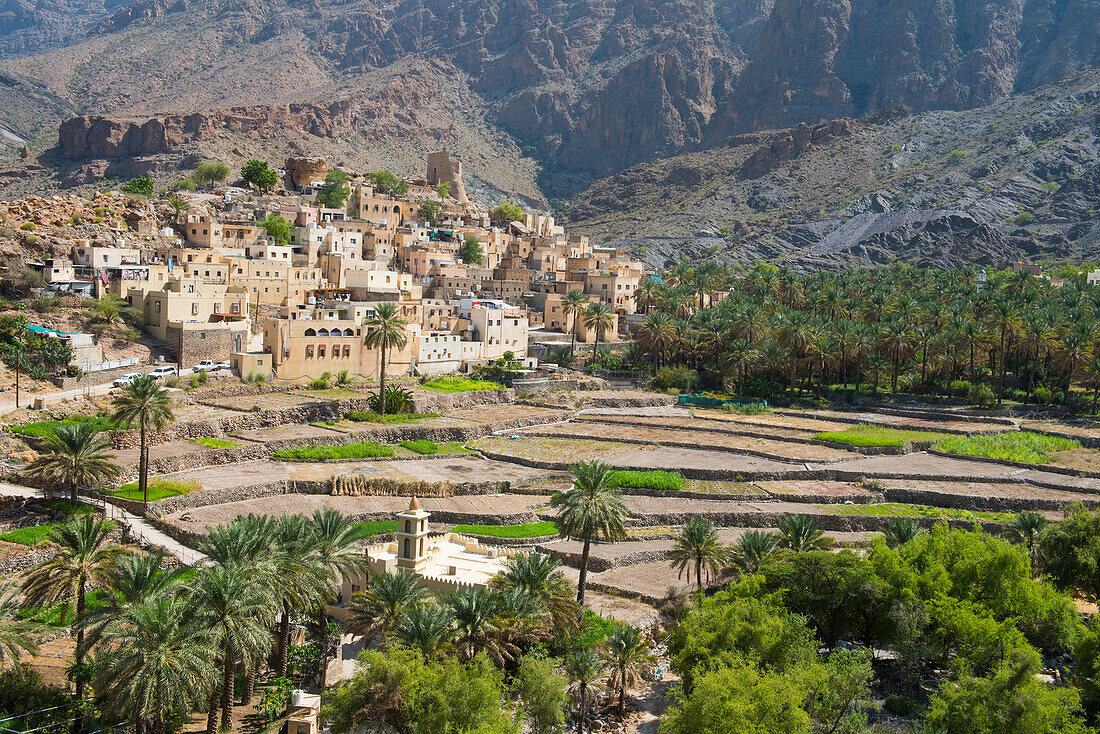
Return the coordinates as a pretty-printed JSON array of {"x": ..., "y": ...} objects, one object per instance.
[
  {"x": 1052, "y": 468},
  {"x": 970, "y": 502},
  {"x": 835, "y": 523},
  {"x": 600, "y": 564}
]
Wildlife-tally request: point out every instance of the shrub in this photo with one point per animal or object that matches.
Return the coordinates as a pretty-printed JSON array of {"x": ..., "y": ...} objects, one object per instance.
[
  {"x": 320, "y": 384},
  {"x": 202, "y": 376},
  {"x": 46, "y": 304},
  {"x": 398, "y": 400},
  {"x": 981, "y": 395},
  {"x": 361, "y": 450},
  {"x": 27, "y": 226},
  {"x": 1023, "y": 218},
  {"x": 677, "y": 377},
  {"x": 656, "y": 479},
  {"x": 344, "y": 378}
]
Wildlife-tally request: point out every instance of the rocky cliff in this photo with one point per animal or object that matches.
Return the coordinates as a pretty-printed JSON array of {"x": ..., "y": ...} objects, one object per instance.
[{"x": 587, "y": 88}]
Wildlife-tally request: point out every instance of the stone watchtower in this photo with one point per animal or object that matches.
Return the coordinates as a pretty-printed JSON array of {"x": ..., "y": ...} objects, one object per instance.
[
  {"x": 412, "y": 531},
  {"x": 441, "y": 169}
]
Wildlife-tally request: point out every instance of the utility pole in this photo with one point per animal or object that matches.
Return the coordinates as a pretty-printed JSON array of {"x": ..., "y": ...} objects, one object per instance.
[{"x": 18, "y": 359}]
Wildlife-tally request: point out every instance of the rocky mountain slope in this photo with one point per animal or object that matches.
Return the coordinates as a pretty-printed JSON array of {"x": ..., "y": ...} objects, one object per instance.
[
  {"x": 584, "y": 88},
  {"x": 1018, "y": 179}
]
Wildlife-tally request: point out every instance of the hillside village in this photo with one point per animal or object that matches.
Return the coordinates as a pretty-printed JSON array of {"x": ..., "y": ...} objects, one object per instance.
[{"x": 242, "y": 276}]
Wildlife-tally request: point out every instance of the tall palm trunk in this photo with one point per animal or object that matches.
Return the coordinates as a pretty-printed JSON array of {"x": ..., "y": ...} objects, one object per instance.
[
  {"x": 794, "y": 366},
  {"x": 212, "y": 711},
  {"x": 250, "y": 682},
  {"x": 622, "y": 692},
  {"x": 139, "y": 724},
  {"x": 143, "y": 469},
  {"x": 582, "y": 579},
  {"x": 78, "y": 657},
  {"x": 573, "y": 344},
  {"x": 382, "y": 382},
  {"x": 699, "y": 573},
  {"x": 284, "y": 642},
  {"x": 227, "y": 685}
]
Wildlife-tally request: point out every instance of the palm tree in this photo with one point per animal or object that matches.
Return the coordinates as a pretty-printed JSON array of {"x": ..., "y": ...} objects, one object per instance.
[
  {"x": 628, "y": 655},
  {"x": 585, "y": 668},
  {"x": 427, "y": 628},
  {"x": 16, "y": 635},
  {"x": 754, "y": 549},
  {"x": 234, "y": 606},
  {"x": 900, "y": 530},
  {"x": 539, "y": 576},
  {"x": 301, "y": 573},
  {"x": 896, "y": 338},
  {"x": 385, "y": 330},
  {"x": 796, "y": 333},
  {"x": 145, "y": 403},
  {"x": 179, "y": 206},
  {"x": 573, "y": 304},
  {"x": 75, "y": 456},
  {"x": 697, "y": 547},
  {"x": 159, "y": 660},
  {"x": 592, "y": 510},
  {"x": 84, "y": 557},
  {"x": 477, "y": 625},
  {"x": 800, "y": 533},
  {"x": 376, "y": 611},
  {"x": 645, "y": 295},
  {"x": 598, "y": 316},
  {"x": 1026, "y": 528},
  {"x": 135, "y": 578},
  {"x": 336, "y": 536},
  {"x": 657, "y": 334}
]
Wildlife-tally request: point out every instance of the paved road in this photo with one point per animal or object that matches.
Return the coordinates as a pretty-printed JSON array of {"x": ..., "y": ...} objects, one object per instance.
[{"x": 26, "y": 398}]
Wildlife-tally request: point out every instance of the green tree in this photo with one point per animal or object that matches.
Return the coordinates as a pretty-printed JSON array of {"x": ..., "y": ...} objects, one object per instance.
[
  {"x": 443, "y": 190},
  {"x": 276, "y": 228},
  {"x": 259, "y": 175},
  {"x": 697, "y": 548},
  {"x": 743, "y": 700},
  {"x": 543, "y": 694},
  {"x": 426, "y": 628},
  {"x": 142, "y": 401},
  {"x": 386, "y": 330},
  {"x": 627, "y": 654},
  {"x": 430, "y": 211},
  {"x": 1070, "y": 550},
  {"x": 900, "y": 530},
  {"x": 17, "y": 635},
  {"x": 800, "y": 533},
  {"x": 335, "y": 192},
  {"x": 506, "y": 212},
  {"x": 158, "y": 662},
  {"x": 539, "y": 576},
  {"x": 179, "y": 206},
  {"x": 592, "y": 510},
  {"x": 584, "y": 668},
  {"x": 1027, "y": 528},
  {"x": 471, "y": 252},
  {"x": 303, "y": 576},
  {"x": 140, "y": 186},
  {"x": 74, "y": 456},
  {"x": 598, "y": 316},
  {"x": 208, "y": 173},
  {"x": 386, "y": 183},
  {"x": 85, "y": 557}
]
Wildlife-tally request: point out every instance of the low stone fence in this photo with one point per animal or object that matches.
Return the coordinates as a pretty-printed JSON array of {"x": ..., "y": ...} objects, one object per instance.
[
  {"x": 835, "y": 523},
  {"x": 988, "y": 504},
  {"x": 1051, "y": 468}
]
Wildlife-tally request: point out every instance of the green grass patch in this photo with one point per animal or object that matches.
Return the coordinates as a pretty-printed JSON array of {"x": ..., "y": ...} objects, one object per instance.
[
  {"x": 895, "y": 509},
  {"x": 869, "y": 434},
  {"x": 366, "y": 416},
  {"x": 656, "y": 479},
  {"x": 69, "y": 509},
  {"x": 214, "y": 443},
  {"x": 361, "y": 450},
  {"x": 424, "y": 446},
  {"x": 159, "y": 489},
  {"x": 32, "y": 536},
  {"x": 334, "y": 393},
  {"x": 459, "y": 384},
  {"x": 527, "y": 530},
  {"x": 41, "y": 429},
  {"x": 1024, "y": 446},
  {"x": 375, "y": 527},
  {"x": 60, "y": 614}
]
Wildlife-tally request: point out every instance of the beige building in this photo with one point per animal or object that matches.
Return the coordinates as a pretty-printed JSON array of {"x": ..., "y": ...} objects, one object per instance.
[
  {"x": 183, "y": 301},
  {"x": 86, "y": 255},
  {"x": 271, "y": 281},
  {"x": 203, "y": 229},
  {"x": 304, "y": 349},
  {"x": 499, "y": 326}
]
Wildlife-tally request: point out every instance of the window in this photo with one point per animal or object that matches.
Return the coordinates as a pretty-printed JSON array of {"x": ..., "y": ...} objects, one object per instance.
[
  {"x": 321, "y": 351},
  {"x": 194, "y": 309},
  {"x": 309, "y": 351},
  {"x": 156, "y": 306},
  {"x": 406, "y": 554},
  {"x": 408, "y": 526},
  {"x": 347, "y": 351},
  {"x": 335, "y": 351}
]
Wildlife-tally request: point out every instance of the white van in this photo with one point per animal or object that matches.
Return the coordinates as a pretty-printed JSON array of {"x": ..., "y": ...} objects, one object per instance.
[{"x": 161, "y": 372}]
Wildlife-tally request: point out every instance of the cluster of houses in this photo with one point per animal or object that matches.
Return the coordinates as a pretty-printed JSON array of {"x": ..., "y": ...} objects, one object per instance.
[{"x": 217, "y": 286}]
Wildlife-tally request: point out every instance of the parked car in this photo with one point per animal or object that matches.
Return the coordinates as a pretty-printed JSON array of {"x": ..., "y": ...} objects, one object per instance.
[
  {"x": 126, "y": 379},
  {"x": 163, "y": 371},
  {"x": 210, "y": 365}
]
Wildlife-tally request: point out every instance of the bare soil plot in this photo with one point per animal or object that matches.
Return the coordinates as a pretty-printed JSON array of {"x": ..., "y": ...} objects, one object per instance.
[
  {"x": 567, "y": 450},
  {"x": 717, "y": 487},
  {"x": 1005, "y": 490},
  {"x": 288, "y": 432},
  {"x": 641, "y": 506},
  {"x": 266, "y": 401},
  {"x": 195, "y": 519},
  {"x": 815, "y": 488},
  {"x": 125, "y": 457},
  {"x": 772, "y": 420},
  {"x": 504, "y": 411},
  {"x": 1079, "y": 459},
  {"x": 1082, "y": 429},
  {"x": 698, "y": 424},
  {"x": 53, "y": 660},
  {"x": 905, "y": 421},
  {"x": 700, "y": 438},
  {"x": 674, "y": 458}
]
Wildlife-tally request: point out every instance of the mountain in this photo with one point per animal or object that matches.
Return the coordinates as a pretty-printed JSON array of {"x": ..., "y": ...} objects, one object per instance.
[
  {"x": 541, "y": 96},
  {"x": 1015, "y": 180}
]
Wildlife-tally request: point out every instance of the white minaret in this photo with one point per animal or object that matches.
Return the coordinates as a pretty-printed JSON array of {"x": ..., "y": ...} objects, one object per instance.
[{"x": 412, "y": 531}]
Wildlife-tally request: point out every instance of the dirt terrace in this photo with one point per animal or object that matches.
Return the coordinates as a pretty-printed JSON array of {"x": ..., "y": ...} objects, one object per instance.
[
  {"x": 816, "y": 488},
  {"x": 698, "y": 424},
  {"x": 1007, "y": 490},
  {"x": 905, "y": 421},
  {"x": 771, "y": 420},
  {"x": 196, "y": 519},
  {"x": 700, "y": 438}
]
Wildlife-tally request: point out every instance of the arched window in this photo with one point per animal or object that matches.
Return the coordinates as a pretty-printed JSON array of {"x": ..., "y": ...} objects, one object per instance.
[
  {"x": 311, "y": 332},
  {"x": 408, "y": 526},
  {"x": 322, "y": 332},
  {"x": 407, "y": 554},
  {"x": 349, "y": 332}
]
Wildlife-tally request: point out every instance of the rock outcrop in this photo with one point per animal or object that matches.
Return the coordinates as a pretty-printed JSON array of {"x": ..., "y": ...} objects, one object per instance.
[{"x": 304, "y": 170}]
